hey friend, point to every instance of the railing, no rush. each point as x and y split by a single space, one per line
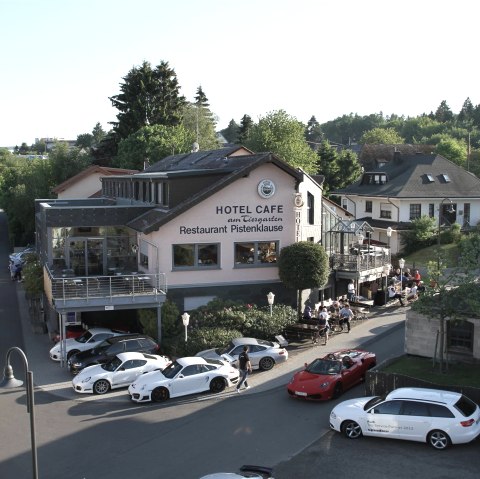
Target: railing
355 262
91 287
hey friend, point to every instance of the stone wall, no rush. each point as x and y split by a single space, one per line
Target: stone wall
421 335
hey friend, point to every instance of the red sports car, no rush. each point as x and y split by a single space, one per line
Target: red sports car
327 377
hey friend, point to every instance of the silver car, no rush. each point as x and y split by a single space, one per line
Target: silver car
263 354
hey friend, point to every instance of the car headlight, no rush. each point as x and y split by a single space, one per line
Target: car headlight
333 415
86 380
324 385
77 365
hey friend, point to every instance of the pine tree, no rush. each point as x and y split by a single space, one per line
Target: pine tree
246 124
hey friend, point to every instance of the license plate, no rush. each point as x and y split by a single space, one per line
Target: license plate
298 393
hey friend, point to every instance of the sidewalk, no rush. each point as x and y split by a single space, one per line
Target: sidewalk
50 376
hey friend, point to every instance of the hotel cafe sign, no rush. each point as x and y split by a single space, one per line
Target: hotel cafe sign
242 219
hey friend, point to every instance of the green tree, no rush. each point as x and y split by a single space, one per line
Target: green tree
422 233
246 124
283 135
453 150
148 97
200 121
67 162
232 131
84 141
443 113
98 133
151 144
313 133
303 265
381 136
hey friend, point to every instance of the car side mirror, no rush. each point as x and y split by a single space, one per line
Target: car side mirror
181 376
306 365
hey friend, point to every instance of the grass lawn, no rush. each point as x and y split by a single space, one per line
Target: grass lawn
420 258
459 374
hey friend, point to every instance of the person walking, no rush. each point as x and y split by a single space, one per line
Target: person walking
351 291
245 367
346 315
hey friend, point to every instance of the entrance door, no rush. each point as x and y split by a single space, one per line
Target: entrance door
85 256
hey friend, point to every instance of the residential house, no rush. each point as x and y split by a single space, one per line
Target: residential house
396 192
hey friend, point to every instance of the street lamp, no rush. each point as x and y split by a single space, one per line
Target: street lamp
389 234
270 298
9 382
451 209
185 320
401 263
360 238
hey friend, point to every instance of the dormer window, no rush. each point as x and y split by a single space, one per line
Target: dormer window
445 178
430 178
374 179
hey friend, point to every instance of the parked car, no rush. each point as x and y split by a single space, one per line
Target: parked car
253 472
88 340
437 417
187 375
328 377
263 354
119 372
109 348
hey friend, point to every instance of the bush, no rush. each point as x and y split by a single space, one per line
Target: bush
451 235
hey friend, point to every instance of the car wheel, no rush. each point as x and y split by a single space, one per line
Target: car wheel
72 352
217 385
351 429
266 364
438 439
337 391
102 386
160 394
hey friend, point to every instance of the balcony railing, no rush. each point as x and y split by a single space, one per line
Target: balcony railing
355 262
120 290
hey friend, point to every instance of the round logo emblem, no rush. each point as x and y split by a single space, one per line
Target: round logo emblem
266 188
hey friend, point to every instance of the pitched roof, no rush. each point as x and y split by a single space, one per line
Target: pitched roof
372 155
417 176
227 169
104 170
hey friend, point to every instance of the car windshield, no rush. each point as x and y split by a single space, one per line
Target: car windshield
226 349
112 365
324 366
373 402
84 337
466 406
172 370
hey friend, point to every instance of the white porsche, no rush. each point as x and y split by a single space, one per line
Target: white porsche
184 376
119 372
88 340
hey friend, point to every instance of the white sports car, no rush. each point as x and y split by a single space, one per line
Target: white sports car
119 372
188 375
88 340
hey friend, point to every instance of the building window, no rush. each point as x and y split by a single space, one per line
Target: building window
311 208
466 214
431 210
460 336
196 256
415 211
368 206
164 193
256 253
385 210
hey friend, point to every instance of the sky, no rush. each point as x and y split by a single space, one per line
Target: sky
61 60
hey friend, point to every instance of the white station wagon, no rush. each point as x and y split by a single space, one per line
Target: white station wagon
437 417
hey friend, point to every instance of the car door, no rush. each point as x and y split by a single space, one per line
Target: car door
235 352
191 379
415 420
383 420
351 374
127 372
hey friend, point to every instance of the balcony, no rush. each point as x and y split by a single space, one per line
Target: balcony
361 265
104 293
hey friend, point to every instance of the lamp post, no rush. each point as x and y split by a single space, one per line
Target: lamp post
401 263
185 320
270 298
440 214
389 234
8 382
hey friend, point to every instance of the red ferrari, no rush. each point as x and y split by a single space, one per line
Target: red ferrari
327 377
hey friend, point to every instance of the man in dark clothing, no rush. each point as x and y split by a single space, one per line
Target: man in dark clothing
245 367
